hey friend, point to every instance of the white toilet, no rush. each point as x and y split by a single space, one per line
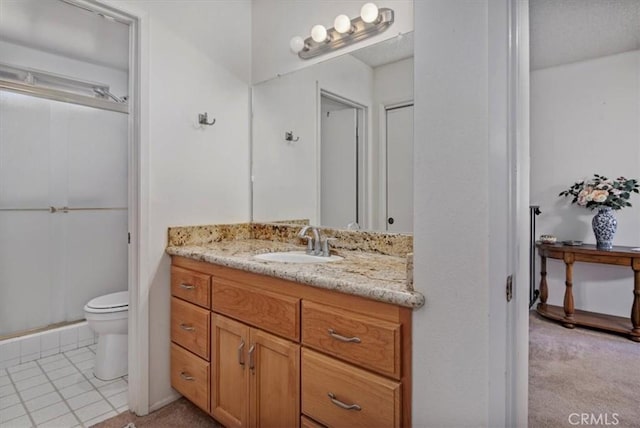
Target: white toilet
108 316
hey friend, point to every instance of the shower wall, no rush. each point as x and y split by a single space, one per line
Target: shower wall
58 154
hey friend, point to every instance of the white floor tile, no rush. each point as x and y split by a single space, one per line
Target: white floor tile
47 413
122 409
85 365
31 382
100 418
82 356
21 367
93 410
83 400
62 372
76 389
113 388
9 400
50 359
120 399
64 421
4 380
12 412
26 374
30 357
42 401
21 422
70 354
9 363
66 381
93 347
70 347
56 365
7 390
95 381
36 391
85 342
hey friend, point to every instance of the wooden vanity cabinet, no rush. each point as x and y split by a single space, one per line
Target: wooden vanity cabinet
283 354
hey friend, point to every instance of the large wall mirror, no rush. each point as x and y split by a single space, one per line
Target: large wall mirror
333 142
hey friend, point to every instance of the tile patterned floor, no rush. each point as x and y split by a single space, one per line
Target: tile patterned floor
59 391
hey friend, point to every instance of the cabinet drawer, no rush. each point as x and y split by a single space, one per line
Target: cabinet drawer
305 422
272 312
194 287
190 327
337 394
190 376
369 342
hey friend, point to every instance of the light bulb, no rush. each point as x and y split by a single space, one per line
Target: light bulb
369 12
342 24
319 33
296 44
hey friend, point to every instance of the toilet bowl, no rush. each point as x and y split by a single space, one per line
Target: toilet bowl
108 316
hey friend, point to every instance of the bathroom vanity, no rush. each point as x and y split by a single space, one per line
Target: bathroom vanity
258 343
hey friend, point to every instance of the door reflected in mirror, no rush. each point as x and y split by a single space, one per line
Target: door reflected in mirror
350 164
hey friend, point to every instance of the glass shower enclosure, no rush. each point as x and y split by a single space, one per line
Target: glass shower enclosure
63 202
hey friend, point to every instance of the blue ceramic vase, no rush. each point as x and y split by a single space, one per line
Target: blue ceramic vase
604 228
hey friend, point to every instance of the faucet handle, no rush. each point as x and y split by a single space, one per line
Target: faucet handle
326 249
309 243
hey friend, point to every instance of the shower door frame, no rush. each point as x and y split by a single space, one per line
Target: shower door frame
138 195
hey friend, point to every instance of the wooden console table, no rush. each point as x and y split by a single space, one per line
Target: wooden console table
568 315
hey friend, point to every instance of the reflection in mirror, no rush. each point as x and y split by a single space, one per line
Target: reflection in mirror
351 165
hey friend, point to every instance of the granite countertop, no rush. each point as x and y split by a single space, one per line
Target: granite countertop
368 274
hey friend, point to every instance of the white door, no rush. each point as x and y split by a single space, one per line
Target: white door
400 169
339 168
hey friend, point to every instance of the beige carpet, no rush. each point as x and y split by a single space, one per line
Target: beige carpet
180 413
581 371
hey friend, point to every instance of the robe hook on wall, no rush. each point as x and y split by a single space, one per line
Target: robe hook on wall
203 119
288 136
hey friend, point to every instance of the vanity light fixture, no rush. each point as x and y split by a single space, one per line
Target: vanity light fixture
372 21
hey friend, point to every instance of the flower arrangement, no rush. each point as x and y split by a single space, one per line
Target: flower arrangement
601 191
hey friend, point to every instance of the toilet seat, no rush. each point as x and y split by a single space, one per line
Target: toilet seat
109 303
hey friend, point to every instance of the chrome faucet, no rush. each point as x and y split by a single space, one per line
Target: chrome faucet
314 245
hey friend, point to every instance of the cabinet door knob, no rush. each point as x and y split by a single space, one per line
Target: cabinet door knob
187 377
342 338
241 353
187 327
342 405
251 361
187 286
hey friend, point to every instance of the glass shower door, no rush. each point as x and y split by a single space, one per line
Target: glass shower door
54 154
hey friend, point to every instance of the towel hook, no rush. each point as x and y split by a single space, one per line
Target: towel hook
288 136
203 119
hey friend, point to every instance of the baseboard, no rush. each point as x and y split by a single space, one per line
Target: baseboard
168 400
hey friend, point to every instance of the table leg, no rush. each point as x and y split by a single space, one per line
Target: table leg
569 309
635 308
544 289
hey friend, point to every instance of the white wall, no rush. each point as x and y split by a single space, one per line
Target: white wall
585 119
275 22
451 228
392 84
196 175
286 174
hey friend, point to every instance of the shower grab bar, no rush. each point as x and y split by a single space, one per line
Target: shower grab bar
53 210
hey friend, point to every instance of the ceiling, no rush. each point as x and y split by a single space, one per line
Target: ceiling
57 27
567 31
386 52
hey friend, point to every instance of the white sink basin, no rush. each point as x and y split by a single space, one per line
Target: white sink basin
296 257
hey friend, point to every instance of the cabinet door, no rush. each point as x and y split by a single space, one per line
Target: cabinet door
274 364
230 372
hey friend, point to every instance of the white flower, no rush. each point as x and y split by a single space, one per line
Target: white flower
599 196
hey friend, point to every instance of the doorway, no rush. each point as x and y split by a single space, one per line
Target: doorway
341 162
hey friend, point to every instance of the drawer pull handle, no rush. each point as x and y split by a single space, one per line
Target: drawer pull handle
342 405
185 376
342 338
187 327
251 362
241 353
187 286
